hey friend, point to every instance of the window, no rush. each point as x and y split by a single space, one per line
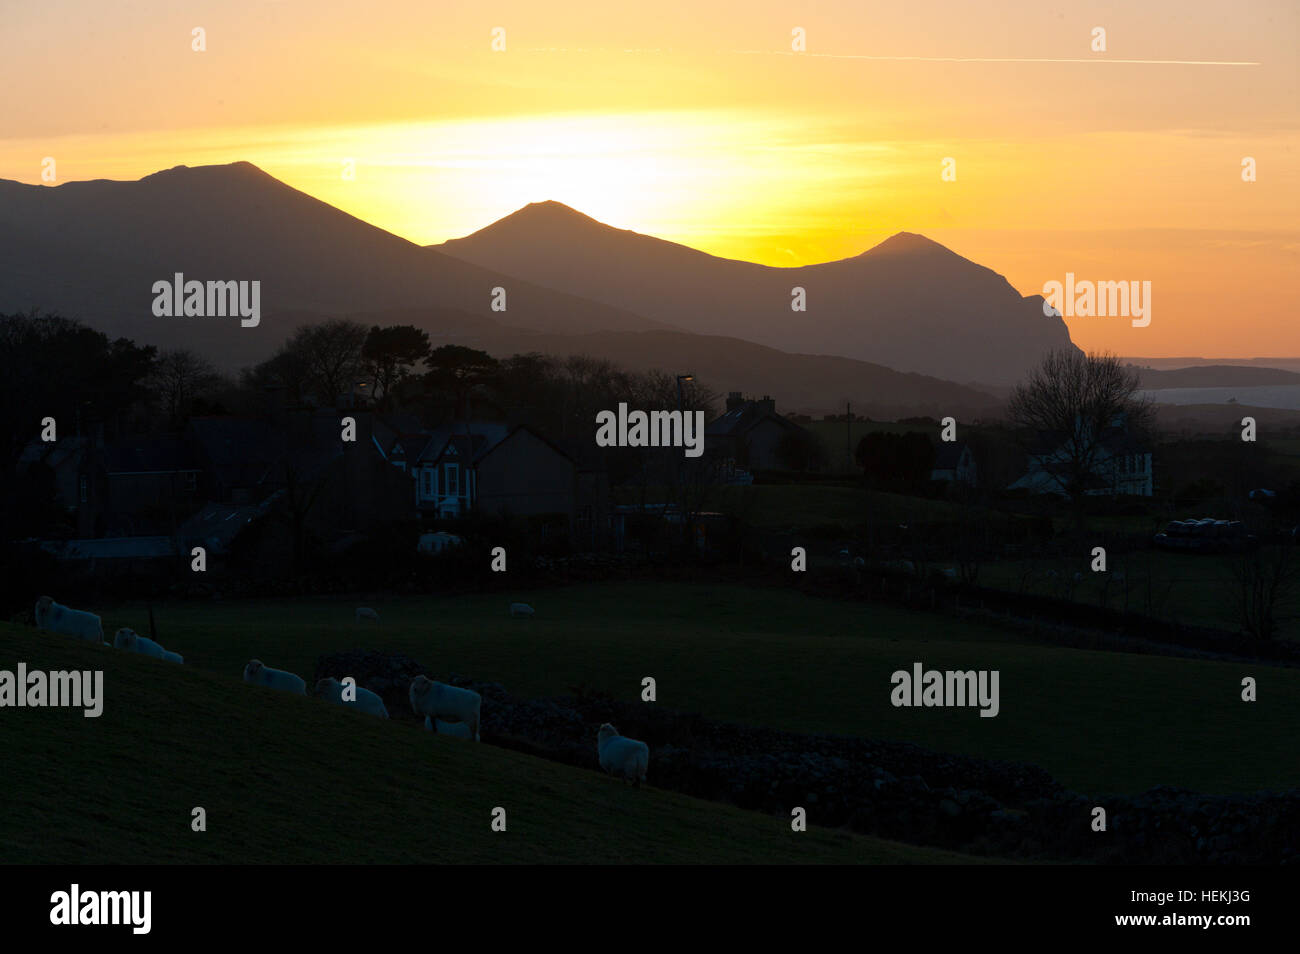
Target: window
453 480
426 489
191 482
85 486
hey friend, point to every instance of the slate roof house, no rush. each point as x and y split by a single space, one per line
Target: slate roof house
954 462
749 434
496 469
1121 465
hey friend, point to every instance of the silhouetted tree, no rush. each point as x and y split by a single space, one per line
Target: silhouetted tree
179 377
389 354
1070 401
459 371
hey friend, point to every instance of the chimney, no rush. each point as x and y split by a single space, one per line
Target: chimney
768 404
734 400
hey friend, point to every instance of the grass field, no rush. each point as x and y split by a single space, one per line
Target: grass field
294 780
1099 721
1193 589
799 506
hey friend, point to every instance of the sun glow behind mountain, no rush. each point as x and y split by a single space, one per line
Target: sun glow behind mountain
697 125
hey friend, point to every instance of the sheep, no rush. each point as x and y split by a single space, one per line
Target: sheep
521 609
261 675
449 702
458 729
57 618
173 657
622 756
365 612
365 700
132 642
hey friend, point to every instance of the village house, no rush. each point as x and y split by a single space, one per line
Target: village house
491 468
954 463
1121 465
750 436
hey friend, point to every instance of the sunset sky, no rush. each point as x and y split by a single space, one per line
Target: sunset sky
697 123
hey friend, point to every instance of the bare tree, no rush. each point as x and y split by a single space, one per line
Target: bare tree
1261 586
178 377
327 355
1071 401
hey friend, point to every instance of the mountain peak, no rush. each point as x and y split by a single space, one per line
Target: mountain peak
242 169
550 213
906 243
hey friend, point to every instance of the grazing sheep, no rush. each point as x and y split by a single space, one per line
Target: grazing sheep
459 730
521 609
130 641
447 702
365 612
260 675
366 700
56 618
622 756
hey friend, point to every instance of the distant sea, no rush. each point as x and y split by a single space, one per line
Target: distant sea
1269 395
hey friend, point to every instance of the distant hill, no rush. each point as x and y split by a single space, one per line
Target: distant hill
813 384
1174 364
92 251
1216 376
909 303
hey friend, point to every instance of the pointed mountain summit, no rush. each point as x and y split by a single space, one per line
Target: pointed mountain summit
908 303
906 243
93 250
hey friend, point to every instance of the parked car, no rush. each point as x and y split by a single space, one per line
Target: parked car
1206 535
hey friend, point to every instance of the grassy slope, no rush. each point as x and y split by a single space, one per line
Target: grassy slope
1100 722
1195 589
288 779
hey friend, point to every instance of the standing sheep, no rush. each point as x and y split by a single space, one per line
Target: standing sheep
56 618
365 612
132 642
260 675
622 756
367 701
439 700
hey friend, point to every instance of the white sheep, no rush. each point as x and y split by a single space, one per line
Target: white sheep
365 700
365 612
622 756
447 702
132 642
56 618
173 657
459 730
261 675
521 609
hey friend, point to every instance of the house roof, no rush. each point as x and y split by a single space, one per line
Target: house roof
155 454
948 455
740 420
217 524
52 453
472 439
111 548
553 445
239 450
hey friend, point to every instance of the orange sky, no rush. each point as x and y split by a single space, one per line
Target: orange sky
699 124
